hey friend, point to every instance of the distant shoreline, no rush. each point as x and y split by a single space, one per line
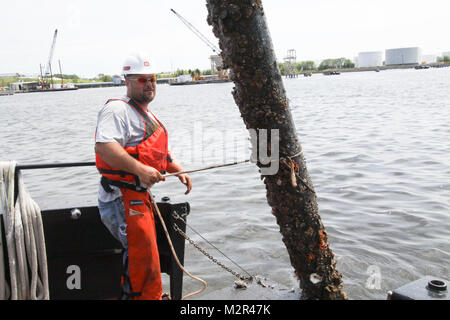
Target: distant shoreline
380 68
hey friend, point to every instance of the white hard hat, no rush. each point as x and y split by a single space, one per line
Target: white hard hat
137 64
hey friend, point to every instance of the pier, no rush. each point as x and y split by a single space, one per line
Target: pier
97 85
6 92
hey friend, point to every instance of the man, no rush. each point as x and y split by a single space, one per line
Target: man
131 153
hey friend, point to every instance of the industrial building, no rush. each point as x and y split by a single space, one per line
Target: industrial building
403 56
24 86
118 80
369 59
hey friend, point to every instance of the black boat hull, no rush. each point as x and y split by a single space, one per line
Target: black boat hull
85 261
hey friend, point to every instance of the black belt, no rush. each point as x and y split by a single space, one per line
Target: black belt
107 183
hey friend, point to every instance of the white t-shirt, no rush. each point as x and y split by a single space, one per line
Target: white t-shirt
118 122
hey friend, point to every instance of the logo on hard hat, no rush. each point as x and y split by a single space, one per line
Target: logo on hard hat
146 64
126 68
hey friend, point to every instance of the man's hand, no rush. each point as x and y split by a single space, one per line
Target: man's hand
187 181
149 175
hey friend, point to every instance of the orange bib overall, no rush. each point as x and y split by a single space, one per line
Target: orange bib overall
143 257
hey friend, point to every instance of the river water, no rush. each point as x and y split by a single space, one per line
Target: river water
377 147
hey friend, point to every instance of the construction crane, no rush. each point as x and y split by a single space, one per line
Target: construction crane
216 60
197 33
48 67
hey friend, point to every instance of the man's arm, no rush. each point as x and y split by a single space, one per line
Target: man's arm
117 157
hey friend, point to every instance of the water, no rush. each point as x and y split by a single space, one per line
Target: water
376 145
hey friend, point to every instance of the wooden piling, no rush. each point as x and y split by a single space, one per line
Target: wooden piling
247 50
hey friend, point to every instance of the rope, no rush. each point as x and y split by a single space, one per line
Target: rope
174 253
25 241
292 166
207 168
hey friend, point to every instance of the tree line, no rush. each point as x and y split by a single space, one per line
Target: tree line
339 63
192 72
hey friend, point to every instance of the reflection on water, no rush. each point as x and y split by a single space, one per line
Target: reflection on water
376 145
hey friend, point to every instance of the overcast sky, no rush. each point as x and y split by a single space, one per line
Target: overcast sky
94 36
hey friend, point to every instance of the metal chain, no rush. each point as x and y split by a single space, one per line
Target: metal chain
192 242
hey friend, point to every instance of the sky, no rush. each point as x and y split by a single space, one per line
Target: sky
95 36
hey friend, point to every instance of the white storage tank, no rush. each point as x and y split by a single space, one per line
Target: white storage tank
400 56
370 59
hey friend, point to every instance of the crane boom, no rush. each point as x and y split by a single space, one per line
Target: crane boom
197 33
48 67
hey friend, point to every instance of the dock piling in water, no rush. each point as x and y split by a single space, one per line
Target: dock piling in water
259 93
